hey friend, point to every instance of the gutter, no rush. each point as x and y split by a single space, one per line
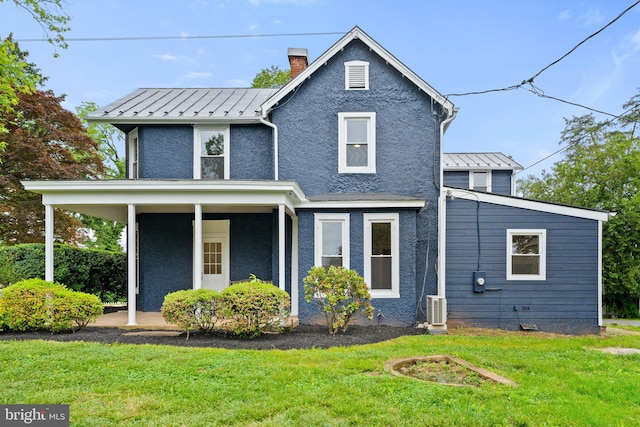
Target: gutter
264 121
442 211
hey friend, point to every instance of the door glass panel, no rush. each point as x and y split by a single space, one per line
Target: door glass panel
212 255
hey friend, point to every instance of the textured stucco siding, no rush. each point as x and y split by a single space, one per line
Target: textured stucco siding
566 302
165 152
166 252
251 151
389 311
407 158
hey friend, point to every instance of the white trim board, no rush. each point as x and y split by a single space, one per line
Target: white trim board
533 205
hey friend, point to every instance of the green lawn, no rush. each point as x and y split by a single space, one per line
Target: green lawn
563 382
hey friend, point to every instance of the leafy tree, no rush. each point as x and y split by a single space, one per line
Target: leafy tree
601 170
106 233
44 141
16 75
272 77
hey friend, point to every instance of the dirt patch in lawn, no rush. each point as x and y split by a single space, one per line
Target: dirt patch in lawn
444 369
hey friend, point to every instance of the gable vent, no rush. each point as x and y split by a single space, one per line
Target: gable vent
356 75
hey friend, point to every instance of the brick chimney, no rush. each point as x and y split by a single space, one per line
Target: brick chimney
298 59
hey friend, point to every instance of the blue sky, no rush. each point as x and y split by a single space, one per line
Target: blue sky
456 46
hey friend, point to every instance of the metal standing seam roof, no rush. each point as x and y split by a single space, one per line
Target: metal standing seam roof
151 104
467 161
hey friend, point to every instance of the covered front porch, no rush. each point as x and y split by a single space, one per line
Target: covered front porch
205 227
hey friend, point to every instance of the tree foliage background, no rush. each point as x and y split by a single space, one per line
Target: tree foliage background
601 170
272 77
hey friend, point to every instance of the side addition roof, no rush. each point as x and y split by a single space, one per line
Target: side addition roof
162 105
467 161
356 33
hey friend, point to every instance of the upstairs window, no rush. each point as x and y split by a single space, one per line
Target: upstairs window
357 142
211 145
133 154
331 240
480 180
526 254
356 75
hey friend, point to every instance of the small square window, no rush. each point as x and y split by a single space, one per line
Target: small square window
480 180
526 254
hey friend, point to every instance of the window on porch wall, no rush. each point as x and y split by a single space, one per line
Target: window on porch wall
212 143
332 240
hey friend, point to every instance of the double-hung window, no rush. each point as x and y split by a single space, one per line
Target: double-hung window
357 142
381 255
480 180
526 254
331 240
212 158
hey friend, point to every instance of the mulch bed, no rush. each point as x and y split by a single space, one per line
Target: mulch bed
303 337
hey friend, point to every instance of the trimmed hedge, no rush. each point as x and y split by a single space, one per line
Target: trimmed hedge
97 272
245 309
35 304
254 307
191 309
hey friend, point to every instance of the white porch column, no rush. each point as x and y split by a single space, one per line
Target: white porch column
48 243
294 265
282 233
197 248
132 267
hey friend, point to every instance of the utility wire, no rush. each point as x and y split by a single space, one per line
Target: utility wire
185 37
601 125
531 79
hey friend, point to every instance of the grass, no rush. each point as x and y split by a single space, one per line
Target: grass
562 381
626 327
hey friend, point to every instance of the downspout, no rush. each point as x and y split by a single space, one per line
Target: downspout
442 211
264 121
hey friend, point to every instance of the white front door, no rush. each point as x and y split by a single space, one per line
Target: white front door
215 255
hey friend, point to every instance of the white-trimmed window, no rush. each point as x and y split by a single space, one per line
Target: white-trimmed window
331 237
381 254
480 180
211 152
356 75
526 254
133 154
356 142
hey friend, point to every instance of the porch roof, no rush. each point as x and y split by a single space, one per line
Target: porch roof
109 199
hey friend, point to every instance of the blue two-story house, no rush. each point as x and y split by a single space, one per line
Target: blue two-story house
341 166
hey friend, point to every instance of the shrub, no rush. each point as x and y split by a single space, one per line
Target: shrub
35 304
101 273
340 293
254 307
190 309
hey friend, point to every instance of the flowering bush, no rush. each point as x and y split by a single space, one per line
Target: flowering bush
340 293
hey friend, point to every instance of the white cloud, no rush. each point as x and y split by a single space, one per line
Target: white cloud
283 2
564 15
238 83
197 75
166 57
590 18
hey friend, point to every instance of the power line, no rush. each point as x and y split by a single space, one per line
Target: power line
601 125
531 79
184 37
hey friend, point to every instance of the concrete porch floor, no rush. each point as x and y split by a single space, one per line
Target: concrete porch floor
149 320
152 320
